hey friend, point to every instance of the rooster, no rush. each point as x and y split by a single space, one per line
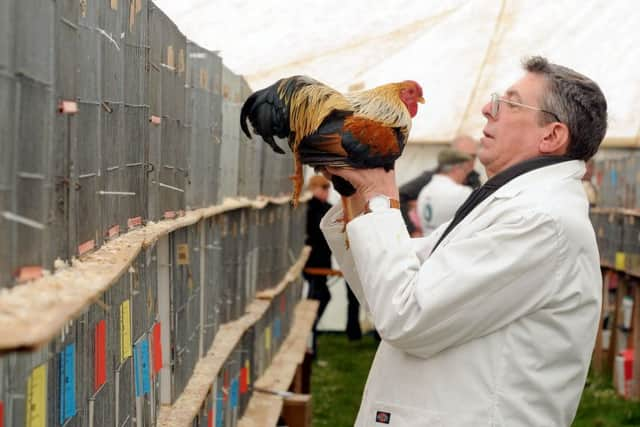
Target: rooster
366 129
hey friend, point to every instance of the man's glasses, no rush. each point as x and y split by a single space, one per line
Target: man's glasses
495 106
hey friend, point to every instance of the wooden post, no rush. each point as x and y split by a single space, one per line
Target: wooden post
297 410
164 316
301 383
635 341
597 358
615 320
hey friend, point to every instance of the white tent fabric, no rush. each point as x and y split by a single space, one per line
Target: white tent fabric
459 50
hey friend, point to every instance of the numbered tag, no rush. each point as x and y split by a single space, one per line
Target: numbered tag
183 254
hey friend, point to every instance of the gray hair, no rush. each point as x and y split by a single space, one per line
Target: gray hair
577 101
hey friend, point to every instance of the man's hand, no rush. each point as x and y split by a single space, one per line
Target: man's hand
369 182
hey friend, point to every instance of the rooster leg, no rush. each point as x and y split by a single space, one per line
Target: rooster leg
347 212
347 215
296 178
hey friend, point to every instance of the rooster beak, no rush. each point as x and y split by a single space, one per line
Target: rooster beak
421 100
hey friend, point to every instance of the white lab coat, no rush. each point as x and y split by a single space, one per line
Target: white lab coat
438 201
497 326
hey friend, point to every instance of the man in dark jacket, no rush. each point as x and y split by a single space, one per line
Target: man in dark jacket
410 190
320 256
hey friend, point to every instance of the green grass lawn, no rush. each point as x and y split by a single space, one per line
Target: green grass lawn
338 380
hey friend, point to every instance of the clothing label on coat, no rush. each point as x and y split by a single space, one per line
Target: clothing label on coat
383 417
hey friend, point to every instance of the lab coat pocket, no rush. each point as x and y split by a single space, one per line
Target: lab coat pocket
394 415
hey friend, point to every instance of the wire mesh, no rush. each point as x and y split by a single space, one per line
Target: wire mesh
34 47
213 280
111 179
185 305
197 119
76 176
213 147
7 35
241 258
7 174
19 369
230 257
156 19
65 130
136 52
250 156
136 134
34 133
85 185
230 150
136 111
173 162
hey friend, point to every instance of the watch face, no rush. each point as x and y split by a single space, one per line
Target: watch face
378 203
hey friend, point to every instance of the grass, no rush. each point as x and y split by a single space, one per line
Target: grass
337 387
338 380
601 407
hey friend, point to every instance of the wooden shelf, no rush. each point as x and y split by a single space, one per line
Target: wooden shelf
603 361
188 404
264 408
33 313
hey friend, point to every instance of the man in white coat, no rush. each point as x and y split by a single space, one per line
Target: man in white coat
438 200
491 320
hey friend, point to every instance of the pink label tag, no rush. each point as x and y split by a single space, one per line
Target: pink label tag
86 247
156 120
68 107
28 272
169 214
113 232
134 222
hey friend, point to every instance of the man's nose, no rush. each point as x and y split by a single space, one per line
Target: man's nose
486 111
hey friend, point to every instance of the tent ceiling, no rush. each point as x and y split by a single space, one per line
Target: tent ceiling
459 50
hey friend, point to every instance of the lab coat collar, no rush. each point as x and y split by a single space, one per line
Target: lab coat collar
573 169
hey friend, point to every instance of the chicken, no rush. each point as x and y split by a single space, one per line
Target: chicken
364 129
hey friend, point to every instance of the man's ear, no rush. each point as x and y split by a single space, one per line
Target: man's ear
556 140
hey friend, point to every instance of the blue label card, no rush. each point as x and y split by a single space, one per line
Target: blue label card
141 367
235 391
68 383
219 409
277 328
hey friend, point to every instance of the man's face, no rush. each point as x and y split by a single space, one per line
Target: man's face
321 193
514 134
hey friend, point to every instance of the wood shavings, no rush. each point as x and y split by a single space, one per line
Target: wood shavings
264 409
188 404
32 313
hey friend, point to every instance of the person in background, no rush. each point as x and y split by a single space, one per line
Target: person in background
320 256
354 332
587 181
410 190
439 200
491 319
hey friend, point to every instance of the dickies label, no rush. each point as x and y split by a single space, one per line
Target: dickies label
383 417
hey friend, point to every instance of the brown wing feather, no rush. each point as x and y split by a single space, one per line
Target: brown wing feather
382 140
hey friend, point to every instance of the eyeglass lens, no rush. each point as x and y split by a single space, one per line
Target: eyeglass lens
495 105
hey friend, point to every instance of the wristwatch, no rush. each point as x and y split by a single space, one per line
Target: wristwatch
381 203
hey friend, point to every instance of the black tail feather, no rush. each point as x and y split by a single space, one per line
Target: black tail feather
268 115
244 113
343 186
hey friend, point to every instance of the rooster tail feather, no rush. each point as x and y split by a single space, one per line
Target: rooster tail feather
268 115
272 143
244 113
